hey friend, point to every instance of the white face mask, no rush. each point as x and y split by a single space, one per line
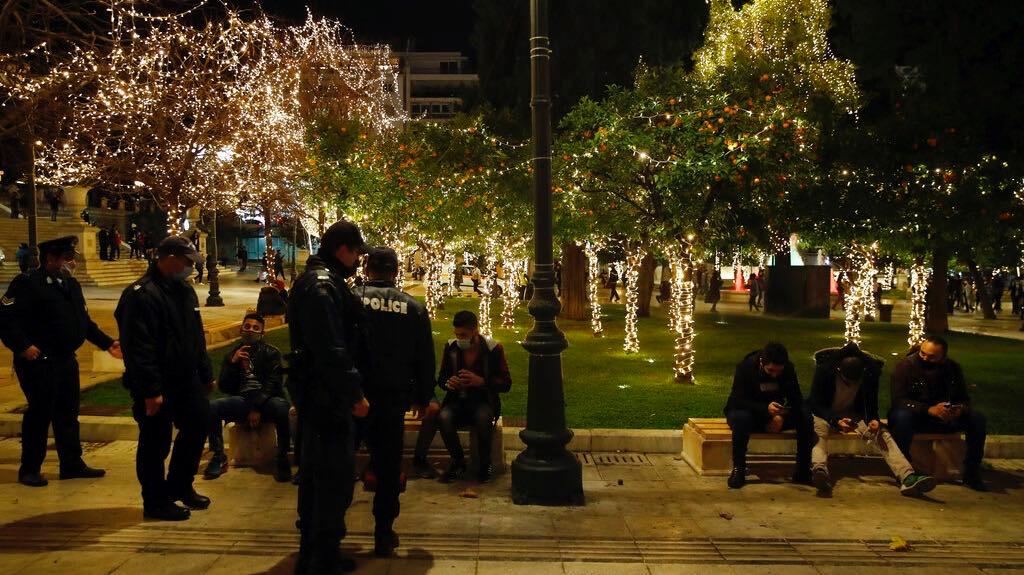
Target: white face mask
464 343
69 268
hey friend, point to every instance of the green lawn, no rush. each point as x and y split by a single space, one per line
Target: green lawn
605 387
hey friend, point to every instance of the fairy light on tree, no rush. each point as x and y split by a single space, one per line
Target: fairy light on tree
634 257
593 285
682 303
919 276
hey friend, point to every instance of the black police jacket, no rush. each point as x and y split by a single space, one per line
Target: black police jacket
162 337
327 344
916 386
752 390
823 388
265 361
49 312
400 343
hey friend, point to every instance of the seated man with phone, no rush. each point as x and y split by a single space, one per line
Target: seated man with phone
251 377
929 394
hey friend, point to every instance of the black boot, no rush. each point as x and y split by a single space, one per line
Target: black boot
193 500
34 479
82 472
385 543
283 470
973 480
738 478
218 466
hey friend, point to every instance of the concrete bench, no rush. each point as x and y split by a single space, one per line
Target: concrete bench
248 447
707 448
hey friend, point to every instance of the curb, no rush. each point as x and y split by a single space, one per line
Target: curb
98 428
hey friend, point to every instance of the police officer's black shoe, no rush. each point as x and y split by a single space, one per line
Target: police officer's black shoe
385 543
283 470
218 466
168 512
738 478
33 480
83 472
423 469
455 471
193 500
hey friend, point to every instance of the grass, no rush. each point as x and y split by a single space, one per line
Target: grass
605 387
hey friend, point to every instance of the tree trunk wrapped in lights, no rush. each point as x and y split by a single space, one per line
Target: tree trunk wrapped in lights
682 306
860 300
634 259
593 286
510 295
919 276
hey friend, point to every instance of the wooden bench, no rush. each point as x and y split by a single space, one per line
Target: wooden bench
248 447
707 448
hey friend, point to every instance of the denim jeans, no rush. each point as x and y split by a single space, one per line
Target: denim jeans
237 409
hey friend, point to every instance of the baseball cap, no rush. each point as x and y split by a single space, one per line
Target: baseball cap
382 260
342 233
178 246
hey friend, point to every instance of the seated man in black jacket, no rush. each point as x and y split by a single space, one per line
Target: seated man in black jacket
251 376
929 394
766 397
844 398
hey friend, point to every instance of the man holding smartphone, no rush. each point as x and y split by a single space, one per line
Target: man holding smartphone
929 394
251 377
766 397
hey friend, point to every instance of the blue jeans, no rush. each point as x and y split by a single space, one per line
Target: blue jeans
236 409
904 423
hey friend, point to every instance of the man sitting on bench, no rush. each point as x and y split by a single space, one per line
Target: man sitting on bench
251 376
473 372
929 394
844 398
766 397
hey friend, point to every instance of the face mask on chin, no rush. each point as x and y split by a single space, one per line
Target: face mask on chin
927 365
464 344
251 338
181 276
69 268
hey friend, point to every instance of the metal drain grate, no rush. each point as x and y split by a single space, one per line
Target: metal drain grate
619 459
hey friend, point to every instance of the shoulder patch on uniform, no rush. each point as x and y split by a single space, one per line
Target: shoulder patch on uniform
6 301
137 287
323 277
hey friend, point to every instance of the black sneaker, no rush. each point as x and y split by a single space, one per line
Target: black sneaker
33 480
423 469
802 476
455 471
193 500
738 477
169 512
486 473
283 470
385 543
975 482
218 466
822 482
83 472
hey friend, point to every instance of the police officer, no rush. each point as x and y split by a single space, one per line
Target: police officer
327 351
401 375
168 373
44 320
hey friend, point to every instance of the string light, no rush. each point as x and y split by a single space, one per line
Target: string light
682 305
919 276
590 248
634 257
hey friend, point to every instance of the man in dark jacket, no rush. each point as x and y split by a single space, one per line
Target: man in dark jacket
252 378
168 373
44 320
473 372
401 375
844 398
327 350
929 394
766 397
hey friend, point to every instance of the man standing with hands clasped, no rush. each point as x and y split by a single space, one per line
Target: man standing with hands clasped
44 320
168 373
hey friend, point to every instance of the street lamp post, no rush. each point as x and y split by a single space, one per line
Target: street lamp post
33 211
213 273
545 473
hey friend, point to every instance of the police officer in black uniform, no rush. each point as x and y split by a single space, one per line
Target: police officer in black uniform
168 373
400 376
44 320
327 353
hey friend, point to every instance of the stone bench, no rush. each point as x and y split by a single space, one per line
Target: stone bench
249 447
707 448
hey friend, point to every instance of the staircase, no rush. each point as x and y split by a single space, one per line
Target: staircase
91 271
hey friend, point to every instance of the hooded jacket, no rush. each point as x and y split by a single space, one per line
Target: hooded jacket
752 390
823 388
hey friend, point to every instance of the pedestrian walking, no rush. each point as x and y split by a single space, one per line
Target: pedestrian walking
754 292
613 282
168 373
714 294
103 239
43 321
14 197
115 243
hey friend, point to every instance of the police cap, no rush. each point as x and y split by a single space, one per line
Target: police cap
178 246
60 246
382 260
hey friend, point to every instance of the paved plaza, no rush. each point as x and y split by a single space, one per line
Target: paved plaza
652 515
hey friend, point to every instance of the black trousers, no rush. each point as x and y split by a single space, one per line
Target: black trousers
743 422
53 394
478 416
325 484
903 424
383 430
190 413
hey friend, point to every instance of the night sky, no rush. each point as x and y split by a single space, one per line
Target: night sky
420 24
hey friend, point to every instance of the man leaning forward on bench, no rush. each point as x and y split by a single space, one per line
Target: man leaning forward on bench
766 397
844 399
